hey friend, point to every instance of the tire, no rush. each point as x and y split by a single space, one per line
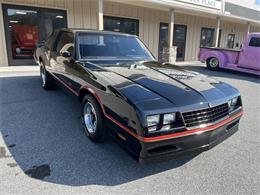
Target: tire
48 82
94 126
213 63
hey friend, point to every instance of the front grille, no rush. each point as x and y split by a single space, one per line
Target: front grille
205 116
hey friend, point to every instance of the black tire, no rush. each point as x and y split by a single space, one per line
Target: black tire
48 82
101 130
213 63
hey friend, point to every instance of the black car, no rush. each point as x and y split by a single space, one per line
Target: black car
155 111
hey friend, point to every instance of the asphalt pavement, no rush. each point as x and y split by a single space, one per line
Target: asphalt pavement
43 149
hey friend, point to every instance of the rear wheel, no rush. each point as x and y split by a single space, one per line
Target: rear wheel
93 120
213 63
47 81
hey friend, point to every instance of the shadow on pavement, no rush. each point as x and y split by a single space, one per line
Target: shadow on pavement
48 142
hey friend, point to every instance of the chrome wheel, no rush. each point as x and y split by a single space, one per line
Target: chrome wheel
213 62
90 118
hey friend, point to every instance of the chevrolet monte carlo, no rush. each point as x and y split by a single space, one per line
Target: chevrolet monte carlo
155 111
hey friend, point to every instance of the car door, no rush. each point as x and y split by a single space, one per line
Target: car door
250 54
48 49
62 56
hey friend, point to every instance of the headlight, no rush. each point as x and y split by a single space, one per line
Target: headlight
232 104
161 122
169 118
153 120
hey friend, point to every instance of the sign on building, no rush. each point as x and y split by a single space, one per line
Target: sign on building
215 4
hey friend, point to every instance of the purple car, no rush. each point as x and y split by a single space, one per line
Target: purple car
247 59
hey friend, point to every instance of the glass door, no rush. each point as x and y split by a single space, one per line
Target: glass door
179 40
25 27
163 40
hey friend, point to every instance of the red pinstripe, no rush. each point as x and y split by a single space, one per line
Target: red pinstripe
157 138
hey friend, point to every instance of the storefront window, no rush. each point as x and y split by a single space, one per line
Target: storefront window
24 31
25 27
231 41
124 25
207 37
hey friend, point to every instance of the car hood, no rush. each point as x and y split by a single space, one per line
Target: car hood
170 83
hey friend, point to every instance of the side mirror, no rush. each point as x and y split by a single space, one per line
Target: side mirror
66 54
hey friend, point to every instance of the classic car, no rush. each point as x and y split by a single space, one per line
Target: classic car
155 111
247 59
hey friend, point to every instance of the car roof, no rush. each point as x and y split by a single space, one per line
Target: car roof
257 34
75 30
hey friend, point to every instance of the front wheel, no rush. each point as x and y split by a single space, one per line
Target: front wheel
93 120
213 63
47 81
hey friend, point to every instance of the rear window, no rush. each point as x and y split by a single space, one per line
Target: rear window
254 42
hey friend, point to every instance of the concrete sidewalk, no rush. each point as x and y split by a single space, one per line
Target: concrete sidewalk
28 68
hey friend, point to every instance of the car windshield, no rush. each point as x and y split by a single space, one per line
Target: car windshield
109 46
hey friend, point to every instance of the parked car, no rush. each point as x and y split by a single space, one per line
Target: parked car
247 59
154 111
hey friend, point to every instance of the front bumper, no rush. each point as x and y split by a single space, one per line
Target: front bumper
198 142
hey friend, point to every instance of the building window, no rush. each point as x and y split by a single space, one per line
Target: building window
124 25
231 41
207 37
25 26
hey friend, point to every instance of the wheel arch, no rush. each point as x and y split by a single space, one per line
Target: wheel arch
222 58
89 91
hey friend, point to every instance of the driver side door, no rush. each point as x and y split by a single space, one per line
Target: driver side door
63 58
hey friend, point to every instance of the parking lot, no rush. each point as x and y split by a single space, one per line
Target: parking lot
43 148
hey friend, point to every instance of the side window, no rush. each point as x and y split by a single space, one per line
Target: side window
254 42
50 40
65 42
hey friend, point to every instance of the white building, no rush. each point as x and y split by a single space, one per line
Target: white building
186 24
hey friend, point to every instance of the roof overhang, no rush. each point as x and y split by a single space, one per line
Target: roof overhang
190 9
